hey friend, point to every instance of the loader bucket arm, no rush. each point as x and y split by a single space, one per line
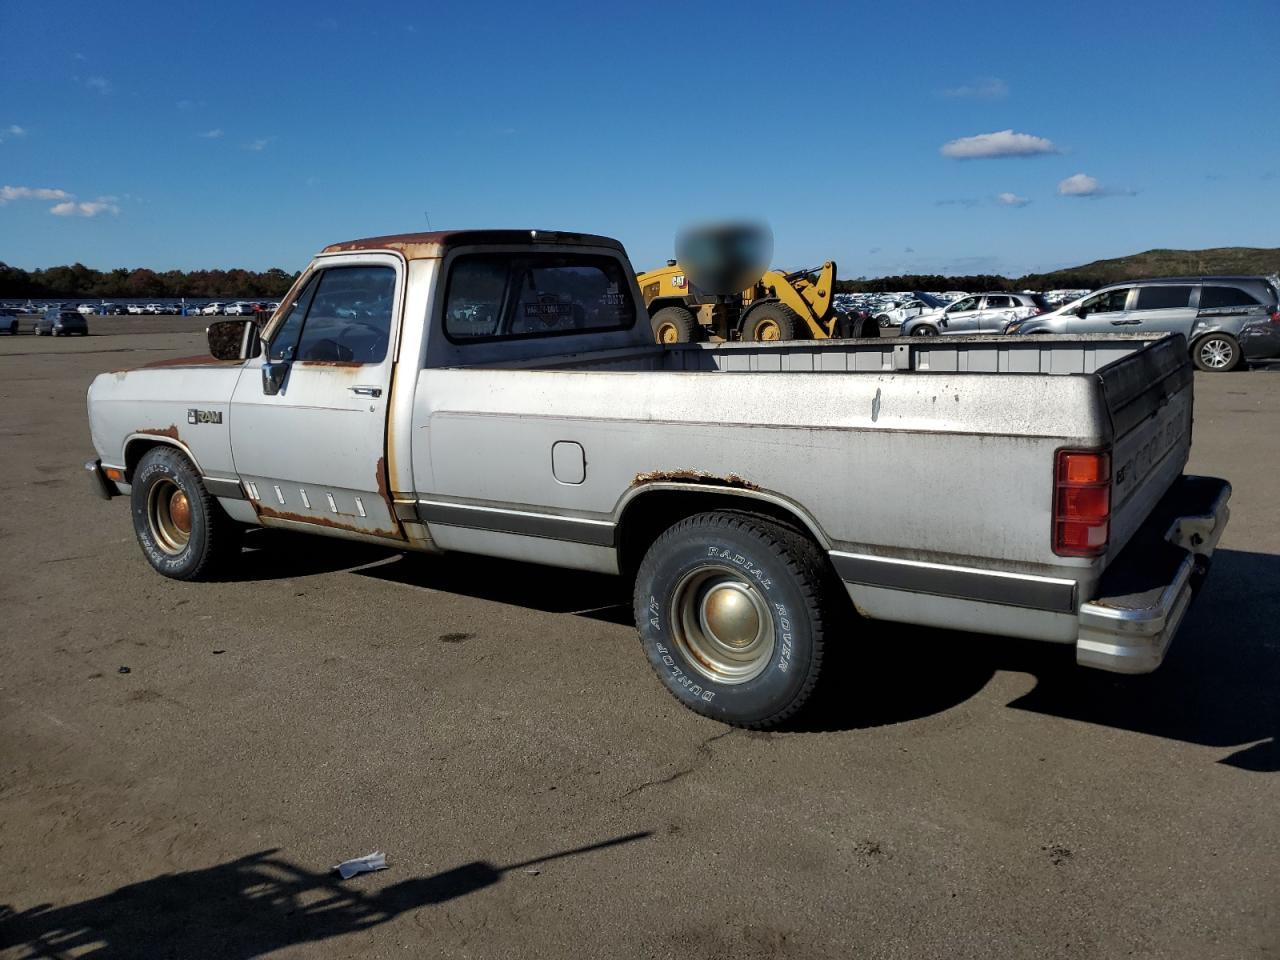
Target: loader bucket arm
811 301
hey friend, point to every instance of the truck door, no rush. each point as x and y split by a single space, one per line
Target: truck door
312 452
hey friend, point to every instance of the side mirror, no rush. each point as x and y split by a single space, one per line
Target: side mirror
273 374
233 339
1082 311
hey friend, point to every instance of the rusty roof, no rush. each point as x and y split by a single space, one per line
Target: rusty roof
423 246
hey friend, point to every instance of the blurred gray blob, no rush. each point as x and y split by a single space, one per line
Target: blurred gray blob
724 258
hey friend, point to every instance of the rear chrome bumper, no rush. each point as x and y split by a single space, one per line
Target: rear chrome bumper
1141 600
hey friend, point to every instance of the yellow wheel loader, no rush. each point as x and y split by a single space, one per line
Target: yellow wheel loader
778 306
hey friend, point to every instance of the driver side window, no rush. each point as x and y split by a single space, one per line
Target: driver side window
965 305
1109 301
343 315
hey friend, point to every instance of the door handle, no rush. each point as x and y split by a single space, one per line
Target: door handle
1124 323
366 391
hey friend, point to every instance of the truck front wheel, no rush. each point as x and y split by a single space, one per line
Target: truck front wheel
183 532
731 610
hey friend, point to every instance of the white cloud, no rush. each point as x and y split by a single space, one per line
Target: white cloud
1079 185
1011 199
101 84
986 88
1002 143
85 208
257 146
67 205
1083 185
13 130
214 134
8 193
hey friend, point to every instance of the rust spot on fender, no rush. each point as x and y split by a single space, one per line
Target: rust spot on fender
170 431
343 364
321 521
694 476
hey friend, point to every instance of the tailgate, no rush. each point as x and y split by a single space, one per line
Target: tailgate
1148 396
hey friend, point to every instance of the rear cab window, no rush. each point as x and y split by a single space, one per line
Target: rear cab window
508 296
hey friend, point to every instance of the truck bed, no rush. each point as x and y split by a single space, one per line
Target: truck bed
975 354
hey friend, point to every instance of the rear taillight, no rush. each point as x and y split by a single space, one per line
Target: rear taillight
1275 316
1081 503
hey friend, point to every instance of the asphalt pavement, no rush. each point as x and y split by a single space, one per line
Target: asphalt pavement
182 764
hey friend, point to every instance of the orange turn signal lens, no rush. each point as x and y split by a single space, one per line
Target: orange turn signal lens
1083 467
114 473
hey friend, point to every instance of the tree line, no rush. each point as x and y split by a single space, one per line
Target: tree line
981 283
80 282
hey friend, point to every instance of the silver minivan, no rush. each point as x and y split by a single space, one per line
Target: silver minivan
1225 320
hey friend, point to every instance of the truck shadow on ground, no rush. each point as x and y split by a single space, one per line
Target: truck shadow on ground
244 908
1217 687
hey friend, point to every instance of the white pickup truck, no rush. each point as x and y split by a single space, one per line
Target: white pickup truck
499 393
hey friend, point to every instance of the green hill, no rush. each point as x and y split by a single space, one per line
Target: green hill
1218 261
1162 263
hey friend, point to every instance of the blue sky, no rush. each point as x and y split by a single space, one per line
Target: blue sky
251 134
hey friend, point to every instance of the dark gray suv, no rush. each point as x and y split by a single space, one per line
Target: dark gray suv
1226 320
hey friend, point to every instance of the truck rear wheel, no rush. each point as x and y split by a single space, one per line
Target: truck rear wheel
183 532
769 322
674 325
731 610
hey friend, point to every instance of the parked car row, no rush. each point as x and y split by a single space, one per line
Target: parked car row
1226 321
56 321
236 308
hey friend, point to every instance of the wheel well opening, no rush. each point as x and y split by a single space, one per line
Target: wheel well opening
137 449
650 514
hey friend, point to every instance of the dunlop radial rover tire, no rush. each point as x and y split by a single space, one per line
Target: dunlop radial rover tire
732 611
167 495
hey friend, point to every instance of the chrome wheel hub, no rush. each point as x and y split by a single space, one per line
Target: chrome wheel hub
169 516
722 623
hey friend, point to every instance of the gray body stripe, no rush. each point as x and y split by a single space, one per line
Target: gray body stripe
1011 590
596 532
